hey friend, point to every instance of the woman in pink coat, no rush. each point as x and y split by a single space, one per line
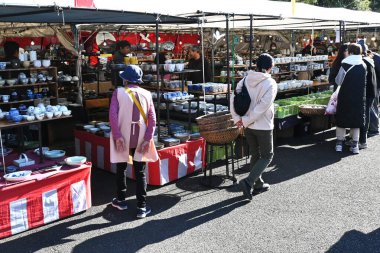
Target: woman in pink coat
131 139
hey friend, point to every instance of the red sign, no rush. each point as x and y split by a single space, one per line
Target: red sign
85 3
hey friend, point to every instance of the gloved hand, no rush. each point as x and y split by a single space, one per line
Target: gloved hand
144 147
120 144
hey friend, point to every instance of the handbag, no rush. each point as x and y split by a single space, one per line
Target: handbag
242 100
333 103
137 103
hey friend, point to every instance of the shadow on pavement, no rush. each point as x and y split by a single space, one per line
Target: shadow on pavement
356 241
64 230
155 231
292 161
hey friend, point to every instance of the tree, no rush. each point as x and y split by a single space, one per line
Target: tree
349 4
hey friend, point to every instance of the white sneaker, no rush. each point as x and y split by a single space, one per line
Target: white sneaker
338 147
355 149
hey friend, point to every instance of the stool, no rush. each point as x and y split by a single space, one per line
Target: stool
209 152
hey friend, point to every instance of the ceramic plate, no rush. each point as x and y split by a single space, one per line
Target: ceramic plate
75 160
168 45
54 154
17 176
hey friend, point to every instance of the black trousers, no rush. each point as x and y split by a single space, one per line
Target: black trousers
141 185
364 129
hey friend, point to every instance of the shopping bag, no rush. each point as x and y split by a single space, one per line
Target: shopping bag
333 103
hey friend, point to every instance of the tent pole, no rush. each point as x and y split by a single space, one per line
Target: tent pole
78 68
158 79
250 40
340 33
203 52
293 48
228 58
212 55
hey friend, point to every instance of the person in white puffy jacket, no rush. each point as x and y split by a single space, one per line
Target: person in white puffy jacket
258 122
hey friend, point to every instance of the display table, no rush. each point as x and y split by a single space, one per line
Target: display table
174 162
47 197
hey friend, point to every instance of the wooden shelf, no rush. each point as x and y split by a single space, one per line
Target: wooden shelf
26 85
23 101
4 124
25 69
154 88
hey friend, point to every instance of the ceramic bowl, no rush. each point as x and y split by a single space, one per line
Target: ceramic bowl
94 130
52 154
105 128
49 78
24 80
17 118
46 63
33 80
26 64
3 65
39 116
49 115
2 82
87 127
37 63
67 113
63 108
11 82
30 117
57 114
75 160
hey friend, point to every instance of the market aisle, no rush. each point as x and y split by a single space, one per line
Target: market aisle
319 200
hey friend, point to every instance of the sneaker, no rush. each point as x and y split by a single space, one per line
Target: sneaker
143 212
363 145
355 149
339 146
119 204
371 134
246 189
263 188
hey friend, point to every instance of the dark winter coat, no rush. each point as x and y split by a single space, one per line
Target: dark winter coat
371 91
332 76
376 59
352 94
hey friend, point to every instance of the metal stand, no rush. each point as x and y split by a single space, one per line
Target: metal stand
209 152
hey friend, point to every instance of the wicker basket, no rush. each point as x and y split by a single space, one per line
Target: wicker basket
214 118
221 136
311 110
216 126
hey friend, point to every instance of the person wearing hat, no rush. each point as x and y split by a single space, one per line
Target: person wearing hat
132 119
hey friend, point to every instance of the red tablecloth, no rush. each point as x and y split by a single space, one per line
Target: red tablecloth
49 197
174 162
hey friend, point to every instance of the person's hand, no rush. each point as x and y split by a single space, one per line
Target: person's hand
144 147
239 123
120 144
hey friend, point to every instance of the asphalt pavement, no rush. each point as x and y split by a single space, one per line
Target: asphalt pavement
319 201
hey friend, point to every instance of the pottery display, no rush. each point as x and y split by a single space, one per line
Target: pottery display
46 63
37 63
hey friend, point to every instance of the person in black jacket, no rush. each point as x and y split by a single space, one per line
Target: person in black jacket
195 62
371 93
342 53
374 112
350 111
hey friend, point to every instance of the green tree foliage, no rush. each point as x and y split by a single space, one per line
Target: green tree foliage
349 4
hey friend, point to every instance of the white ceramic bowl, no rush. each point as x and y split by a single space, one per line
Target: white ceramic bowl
39 116
49 115
46 63
75 160
94 130
26 64
87 127
37 63
11 82
30 118
67 113
62 108
57 114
